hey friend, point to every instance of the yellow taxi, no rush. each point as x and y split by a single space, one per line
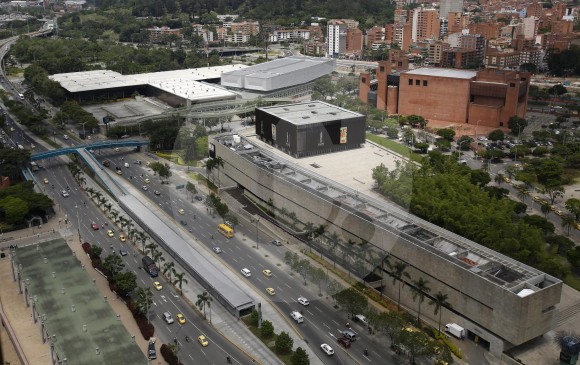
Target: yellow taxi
180 318
45 180
122 238
203 341
271 291
157 285
267 273
110 233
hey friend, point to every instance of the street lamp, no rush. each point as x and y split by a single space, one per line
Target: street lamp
460 149
78 224
257 241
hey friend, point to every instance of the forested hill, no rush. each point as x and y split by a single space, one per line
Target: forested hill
261 9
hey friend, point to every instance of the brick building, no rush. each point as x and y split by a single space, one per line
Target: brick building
486 97
156 33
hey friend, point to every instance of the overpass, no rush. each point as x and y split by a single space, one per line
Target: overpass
94 146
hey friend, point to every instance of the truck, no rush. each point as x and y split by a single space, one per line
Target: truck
455 329
149 266
151 349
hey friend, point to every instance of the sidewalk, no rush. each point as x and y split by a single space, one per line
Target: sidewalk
28 333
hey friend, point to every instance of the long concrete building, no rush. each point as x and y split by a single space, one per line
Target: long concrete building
500 301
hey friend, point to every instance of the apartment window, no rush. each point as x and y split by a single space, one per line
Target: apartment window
410 81
364 80
424 82
382 69
418 82
512 84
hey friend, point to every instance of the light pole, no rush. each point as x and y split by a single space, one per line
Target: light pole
78 224
257 238
461 144
516 148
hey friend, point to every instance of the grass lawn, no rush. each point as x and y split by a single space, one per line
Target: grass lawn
394 146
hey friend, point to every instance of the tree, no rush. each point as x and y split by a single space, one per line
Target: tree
300 357
317 275
574 257
417 343
517 124
303 268
204 300
333 288
168 269
557 90
324 87
96 252
113 264
440 300
418 289
353 301
125 283
291 259
179 280
144 300
568 223
573 206
283 343
399 274
496 135
447 133
190 189
480 178
267 329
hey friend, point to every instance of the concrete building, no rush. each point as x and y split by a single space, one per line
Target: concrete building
450 6
156 34
312 128
461 58
280 35
278 74
531 27
336 38
485 97
495 58
500 301
425 24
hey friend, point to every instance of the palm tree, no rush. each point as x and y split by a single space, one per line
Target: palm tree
523 194
399 274
82 180
157 256
168 269
102 200
108 207
419 289
209 166
151 249
499 179
179 280
114 214
204 300
334 242
98 195
143 238
567 223
545 208
219 162
440 301
91 192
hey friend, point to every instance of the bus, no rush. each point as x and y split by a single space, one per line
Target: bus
34 166
225 230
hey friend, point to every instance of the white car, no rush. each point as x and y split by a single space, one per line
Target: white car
362 319
247 273
327 349
303 301
65 193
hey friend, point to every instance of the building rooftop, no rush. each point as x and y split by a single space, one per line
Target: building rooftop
327 178
183 83
442 72
309 113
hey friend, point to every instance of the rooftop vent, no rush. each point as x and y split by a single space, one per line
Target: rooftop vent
306 117
287 109
311 105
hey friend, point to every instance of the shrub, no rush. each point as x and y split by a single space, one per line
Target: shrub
168 355
86 247
283 343
443 338
267 329
147 329
254 317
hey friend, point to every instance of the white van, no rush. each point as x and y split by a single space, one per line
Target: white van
21 96
299 318
126 164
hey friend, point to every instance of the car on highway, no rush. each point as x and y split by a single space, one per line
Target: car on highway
303 301
180 318
199 198
536 198
157 192
247 273
122 237
217 250
45 180
147 181
64 193
181 211
559 213
122 252
119 172
157 285
344 342
110 233
267 273
167 318
277 243
145 188
271 291
117 149
94 226
506 179
327 349
203 341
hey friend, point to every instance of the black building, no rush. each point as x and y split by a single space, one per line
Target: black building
311 128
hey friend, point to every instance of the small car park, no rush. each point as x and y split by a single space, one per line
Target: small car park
271 291
267 273
203 341
303 301
157 285
327 349
247 273
180 318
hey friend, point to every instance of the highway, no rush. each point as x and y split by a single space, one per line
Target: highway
81 212
322 324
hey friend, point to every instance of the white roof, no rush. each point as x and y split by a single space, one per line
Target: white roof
525 293
183 83
443 72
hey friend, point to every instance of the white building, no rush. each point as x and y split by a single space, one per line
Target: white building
336 38
289 34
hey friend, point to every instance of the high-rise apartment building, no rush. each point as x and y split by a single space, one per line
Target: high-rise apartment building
531 27
337 36
425 24
450 5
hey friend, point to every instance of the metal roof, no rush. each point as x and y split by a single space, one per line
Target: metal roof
188 253
442 72
183 83
309 113
280 66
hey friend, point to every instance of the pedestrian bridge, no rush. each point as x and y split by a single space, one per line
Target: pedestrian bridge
93 146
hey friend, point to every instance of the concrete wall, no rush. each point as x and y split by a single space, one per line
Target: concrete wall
496 314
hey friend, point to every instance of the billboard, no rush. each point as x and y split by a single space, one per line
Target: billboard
274 132
343 135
